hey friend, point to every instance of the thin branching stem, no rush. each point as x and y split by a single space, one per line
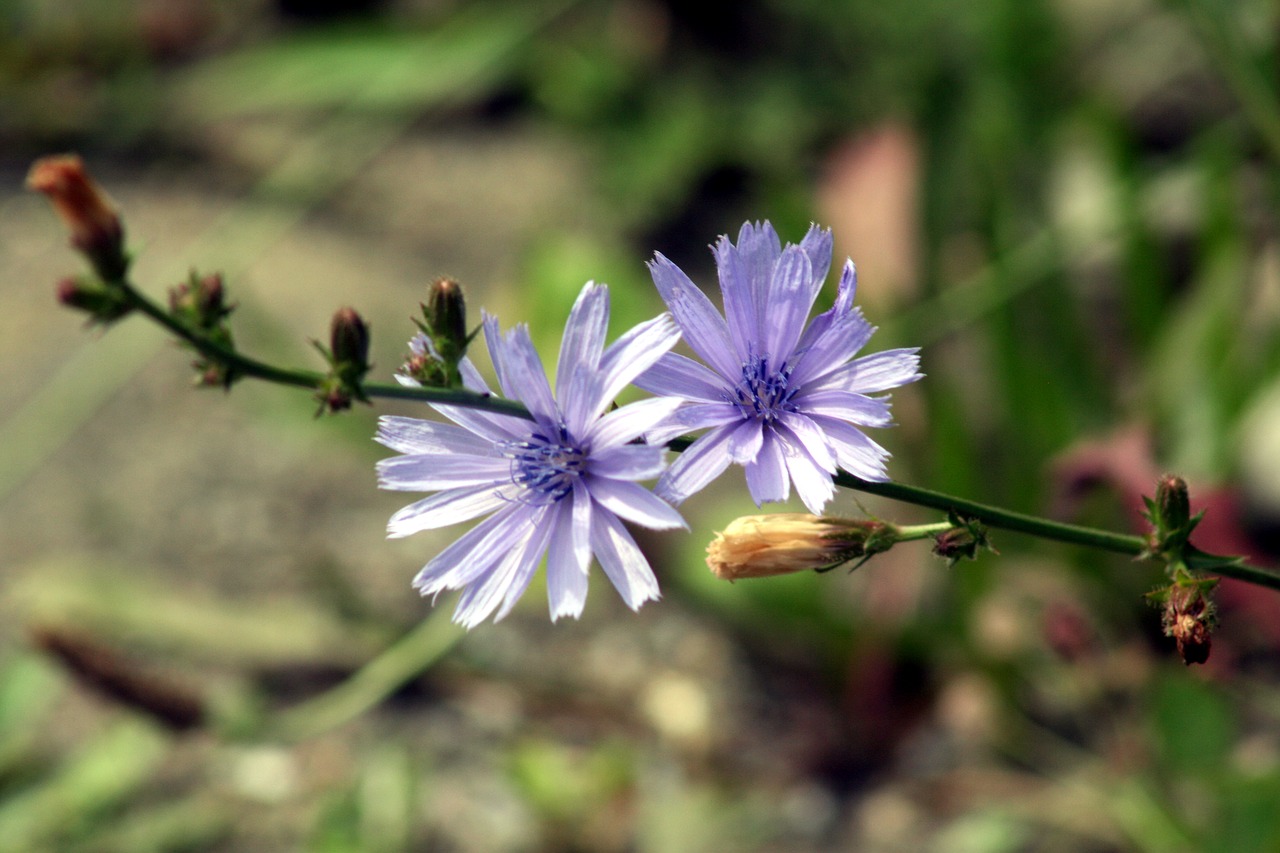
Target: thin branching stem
990 516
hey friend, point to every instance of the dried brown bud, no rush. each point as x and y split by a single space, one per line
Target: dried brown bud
1189 618
757 546
85 209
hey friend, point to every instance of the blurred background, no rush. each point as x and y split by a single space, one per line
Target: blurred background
1069 204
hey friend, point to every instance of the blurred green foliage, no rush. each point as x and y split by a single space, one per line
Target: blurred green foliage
1093 247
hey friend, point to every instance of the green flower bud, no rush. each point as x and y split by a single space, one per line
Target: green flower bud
1173 504
446 315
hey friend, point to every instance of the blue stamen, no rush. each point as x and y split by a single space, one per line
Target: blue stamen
546 467
763 394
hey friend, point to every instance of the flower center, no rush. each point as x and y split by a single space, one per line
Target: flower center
546 466
763 393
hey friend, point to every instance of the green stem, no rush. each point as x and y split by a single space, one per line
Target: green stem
997 517
1043 528
310 379
989 515
913 532
408 658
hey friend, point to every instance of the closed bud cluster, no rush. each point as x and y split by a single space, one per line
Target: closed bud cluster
84 208
757 546
348 357
443 343
200 302
424 365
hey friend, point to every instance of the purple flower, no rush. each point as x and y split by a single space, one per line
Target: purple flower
782 400
558 485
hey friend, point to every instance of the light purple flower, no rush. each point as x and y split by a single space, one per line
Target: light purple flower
782 400
558 485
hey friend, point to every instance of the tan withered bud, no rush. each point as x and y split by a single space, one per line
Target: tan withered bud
88 213
756 546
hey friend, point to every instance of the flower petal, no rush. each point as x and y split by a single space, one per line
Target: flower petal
695 417
487 425
471 378
635 419
634 503
758 248
855 452
790 298
622 561
628 357
568 559
413 435
584 335
813 485
847 406
745 441
524 369
799 430
767 475
506 581
527 563
448 507
843 305
883 370
428 473
703 328
677 376
497 352
629 462
817 244
827 352
472 554
738 292
701 462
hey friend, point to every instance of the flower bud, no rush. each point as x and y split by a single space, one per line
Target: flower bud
1171 520
91 217
103 304
348 357
1172 502
349 339
446 316
757 546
